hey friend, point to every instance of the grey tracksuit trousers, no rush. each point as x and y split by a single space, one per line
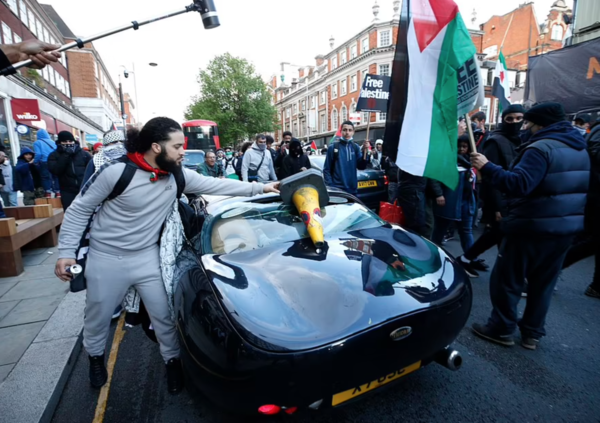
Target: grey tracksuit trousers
109 276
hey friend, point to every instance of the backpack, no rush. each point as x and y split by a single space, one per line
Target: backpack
79 283
336 153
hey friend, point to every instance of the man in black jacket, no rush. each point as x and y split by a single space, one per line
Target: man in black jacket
546 190
68 163
295 161
500 149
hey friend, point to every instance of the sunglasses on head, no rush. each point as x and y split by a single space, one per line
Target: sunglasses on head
510 119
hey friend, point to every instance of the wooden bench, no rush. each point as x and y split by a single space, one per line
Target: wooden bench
26 228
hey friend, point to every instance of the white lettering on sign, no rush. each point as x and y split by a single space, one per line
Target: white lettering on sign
374 83
28 116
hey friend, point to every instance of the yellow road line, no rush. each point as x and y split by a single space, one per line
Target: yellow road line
112 359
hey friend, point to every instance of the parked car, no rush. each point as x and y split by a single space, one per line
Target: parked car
268 324
193 158
372 183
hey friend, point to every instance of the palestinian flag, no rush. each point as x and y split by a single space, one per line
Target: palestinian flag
337 135
501 87
443 82
313 146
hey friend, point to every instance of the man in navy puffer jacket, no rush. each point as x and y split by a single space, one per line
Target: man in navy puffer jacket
546 188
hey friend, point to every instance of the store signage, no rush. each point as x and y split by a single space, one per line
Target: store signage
22 129
375 94
93 138
25 109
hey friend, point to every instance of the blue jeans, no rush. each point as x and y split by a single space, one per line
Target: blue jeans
10 199
2 215
49 181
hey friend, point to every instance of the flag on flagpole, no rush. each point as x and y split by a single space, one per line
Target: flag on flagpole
313 146
501 87
337 135
443 82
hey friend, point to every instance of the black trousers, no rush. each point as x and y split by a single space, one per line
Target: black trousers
66 198
584 247
491 236
540 260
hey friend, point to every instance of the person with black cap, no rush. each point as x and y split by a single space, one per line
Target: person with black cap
501 149
68 162
546 190
582 123
296 161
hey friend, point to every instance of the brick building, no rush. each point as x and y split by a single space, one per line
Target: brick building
94 92
47 91
335 80
129 111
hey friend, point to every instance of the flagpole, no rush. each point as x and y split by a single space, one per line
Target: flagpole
471 136
367 138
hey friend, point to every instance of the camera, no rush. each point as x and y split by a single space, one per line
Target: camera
126 73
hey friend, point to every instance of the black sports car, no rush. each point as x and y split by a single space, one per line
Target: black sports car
267 324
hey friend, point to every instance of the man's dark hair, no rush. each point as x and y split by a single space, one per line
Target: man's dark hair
347 122
261 137
286 133
246 146
479 116
157 130
270 139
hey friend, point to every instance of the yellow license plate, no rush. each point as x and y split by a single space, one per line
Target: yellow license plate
384 380
367 184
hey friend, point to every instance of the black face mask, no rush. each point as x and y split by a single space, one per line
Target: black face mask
512 129
525 136
164 163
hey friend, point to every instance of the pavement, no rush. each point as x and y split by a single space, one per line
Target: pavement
40 326
559 382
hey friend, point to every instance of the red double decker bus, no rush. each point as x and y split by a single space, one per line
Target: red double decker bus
201 135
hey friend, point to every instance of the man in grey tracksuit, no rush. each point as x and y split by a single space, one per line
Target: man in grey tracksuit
124 249
258 158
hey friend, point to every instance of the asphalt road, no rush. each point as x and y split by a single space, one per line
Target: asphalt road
560 382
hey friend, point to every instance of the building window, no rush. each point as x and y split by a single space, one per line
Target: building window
38 27
364 45
344 84
323 96
334 90
46 37
31 17
344 114
385 38
295 106
64 59
353 52
313 102
384 70
343 57
365 117
17 39
353 83
7 34
23 14
557 32
382 117
288 112
295 127
323 122
334 63
68 89
303 105
52 79
334 120
13 6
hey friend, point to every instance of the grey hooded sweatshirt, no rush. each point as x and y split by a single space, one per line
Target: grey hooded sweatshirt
252 158
133 220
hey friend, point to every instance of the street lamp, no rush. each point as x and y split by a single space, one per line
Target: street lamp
307 104
126 75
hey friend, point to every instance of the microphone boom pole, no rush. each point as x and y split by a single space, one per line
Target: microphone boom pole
205 7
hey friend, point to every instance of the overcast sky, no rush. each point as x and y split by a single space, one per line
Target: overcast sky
266 32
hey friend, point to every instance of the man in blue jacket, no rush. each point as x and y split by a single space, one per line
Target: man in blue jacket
546 188
43 147
344 157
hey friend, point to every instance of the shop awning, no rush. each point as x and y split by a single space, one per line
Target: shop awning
25 110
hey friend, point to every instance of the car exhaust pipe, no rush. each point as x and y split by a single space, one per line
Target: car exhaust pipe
449 358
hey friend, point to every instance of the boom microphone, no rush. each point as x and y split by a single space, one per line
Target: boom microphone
206 8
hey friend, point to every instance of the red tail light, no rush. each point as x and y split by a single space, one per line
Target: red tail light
291 410
185 144
386 180
270 409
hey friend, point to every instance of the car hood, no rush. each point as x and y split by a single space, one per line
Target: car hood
287 297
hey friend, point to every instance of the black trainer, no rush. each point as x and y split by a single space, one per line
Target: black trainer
174 376
529 342
480 265
98 373
468 268
591 292
487 333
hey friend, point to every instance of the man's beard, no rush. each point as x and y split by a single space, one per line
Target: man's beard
164 163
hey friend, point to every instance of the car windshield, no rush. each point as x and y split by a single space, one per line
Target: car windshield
250 226
193 158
